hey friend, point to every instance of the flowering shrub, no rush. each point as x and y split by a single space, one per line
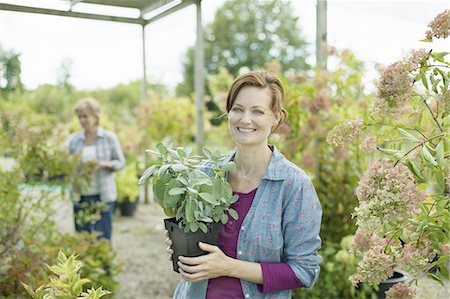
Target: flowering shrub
403 214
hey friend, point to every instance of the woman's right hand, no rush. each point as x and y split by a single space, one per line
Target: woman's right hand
169 243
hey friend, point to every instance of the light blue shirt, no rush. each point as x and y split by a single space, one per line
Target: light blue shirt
107 148
282 226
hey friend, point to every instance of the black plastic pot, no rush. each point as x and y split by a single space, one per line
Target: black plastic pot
397 277
128 208
186 244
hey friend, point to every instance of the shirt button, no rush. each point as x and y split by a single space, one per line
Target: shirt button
247 296
243 228
240 253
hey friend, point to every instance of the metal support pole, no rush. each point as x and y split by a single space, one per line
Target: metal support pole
199 80
144 73
321 34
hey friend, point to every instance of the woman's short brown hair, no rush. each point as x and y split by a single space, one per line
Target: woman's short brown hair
260 79
90 105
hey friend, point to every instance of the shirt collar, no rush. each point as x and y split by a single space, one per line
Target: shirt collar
100 133
274 171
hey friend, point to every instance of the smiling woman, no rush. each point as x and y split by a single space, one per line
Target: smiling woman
272 247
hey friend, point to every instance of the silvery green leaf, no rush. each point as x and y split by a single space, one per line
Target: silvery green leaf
147 173
233 214
177 191
440 154
207 153
208 198
192 190
193 226
206 219
427 155
408 135
183 180
190 208
224 218
179 167
203 227
163 169
230 166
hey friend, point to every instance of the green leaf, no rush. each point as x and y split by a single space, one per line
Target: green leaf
440 180
224 218
424 79
177 191
193 226
203 227
179 167
435 84
408 135
163 169
427 155
190 208
434 277
415 170
233 214
147 173
207 153
170 200
230 166
440 154
208 198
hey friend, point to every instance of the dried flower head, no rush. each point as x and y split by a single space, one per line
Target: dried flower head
401 291
345 133
440 26
375 267
395 84
386 193
416 257
368 144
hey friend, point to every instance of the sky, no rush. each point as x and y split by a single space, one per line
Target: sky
104 54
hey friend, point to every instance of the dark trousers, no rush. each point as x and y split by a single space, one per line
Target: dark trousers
103 226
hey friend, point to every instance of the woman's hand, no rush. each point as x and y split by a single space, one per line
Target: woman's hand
103 165
168 242
212 265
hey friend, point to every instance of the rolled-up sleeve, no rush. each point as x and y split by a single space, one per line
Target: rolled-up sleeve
117 157
302 216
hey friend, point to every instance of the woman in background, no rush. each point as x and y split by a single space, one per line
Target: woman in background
101 149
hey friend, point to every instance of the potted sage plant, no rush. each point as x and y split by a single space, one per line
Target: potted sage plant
194 193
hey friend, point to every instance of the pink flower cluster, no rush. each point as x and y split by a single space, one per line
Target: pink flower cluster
396 81
375 267
386 193
440 26
363 241
345 133
401 291
395 84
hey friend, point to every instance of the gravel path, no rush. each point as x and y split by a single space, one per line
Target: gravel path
139 244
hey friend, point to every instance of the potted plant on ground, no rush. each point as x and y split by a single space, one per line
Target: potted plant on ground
127 190
195 194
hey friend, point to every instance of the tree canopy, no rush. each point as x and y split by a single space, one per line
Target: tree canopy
248 33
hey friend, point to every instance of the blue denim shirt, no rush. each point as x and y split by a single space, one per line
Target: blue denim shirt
107 148
282 226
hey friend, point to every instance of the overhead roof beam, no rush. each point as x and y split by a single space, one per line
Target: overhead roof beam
74 2
56 12
154 5
173 9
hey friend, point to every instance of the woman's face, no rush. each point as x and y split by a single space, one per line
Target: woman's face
251 119
87 120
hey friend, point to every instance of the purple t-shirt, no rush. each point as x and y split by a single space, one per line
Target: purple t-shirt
276 276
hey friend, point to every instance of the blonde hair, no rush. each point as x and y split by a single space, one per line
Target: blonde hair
90 105
260 79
